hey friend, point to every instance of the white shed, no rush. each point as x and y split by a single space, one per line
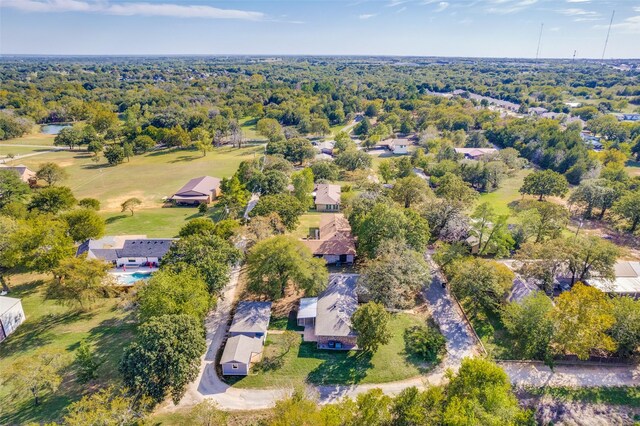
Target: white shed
11 316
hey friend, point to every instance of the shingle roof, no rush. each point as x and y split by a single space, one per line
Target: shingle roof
326 193
23 171
251 317
335 236
203 185
240 349
152 247
336 305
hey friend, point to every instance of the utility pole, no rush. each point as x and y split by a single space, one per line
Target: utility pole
606 41
574 55
539 40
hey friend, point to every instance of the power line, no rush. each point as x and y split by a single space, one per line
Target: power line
539 40
606 41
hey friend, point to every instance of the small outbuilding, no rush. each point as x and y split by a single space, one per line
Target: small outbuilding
11 316
199 190
251 319
239 353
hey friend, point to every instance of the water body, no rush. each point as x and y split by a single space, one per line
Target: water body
53 129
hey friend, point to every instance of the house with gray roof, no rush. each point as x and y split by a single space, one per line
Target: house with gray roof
326 197
198 190
105 248
327 318
144 251
247 334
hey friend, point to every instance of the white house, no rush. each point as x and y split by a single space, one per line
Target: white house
126 250
11 316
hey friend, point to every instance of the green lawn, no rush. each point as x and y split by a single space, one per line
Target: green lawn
305 363
19 150
52 327
248 125
149 177
633 168
506 193
306 221
32 139
629 396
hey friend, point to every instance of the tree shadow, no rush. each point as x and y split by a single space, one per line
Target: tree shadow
344 368
114 219
109 339
24 412
185 158
98 166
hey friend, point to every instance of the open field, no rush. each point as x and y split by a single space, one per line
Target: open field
52 327
304 362
149 177
19 150
248 125
633 168
32 139
155 222
506 193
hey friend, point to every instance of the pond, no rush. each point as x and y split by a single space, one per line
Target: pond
53 129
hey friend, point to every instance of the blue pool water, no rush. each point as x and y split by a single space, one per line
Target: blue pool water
129 279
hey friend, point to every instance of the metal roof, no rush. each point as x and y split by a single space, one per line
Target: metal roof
308 307
251 317
240 349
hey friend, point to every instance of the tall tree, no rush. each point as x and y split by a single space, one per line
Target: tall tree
582 318
234 195
79 281
303 185
589 255
371 322
53 200
51 173
164 357
279 261
289 208
481 284
12 188
411 190
530 326
545 183
130 204
628 207
84 224
34 375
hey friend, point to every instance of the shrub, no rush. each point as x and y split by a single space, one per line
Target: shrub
425 342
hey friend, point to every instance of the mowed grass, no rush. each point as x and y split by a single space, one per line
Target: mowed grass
50 326
31 139
249 131
633 168
149 177
306 221
506 193
155 223
20 150
305 363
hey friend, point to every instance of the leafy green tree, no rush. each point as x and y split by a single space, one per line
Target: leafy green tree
234 195
52 199
425 342
353 160
89 203
325 170
142 144
270 129
628 207
84 224
543 262
411 190
530 326
12 188
372 408
491 231
174 293
210 254
415 408
164 357
207 413
34 375
69 136
114 154
542 220
130 204
582 317
288 207
87 362
595 193
395 276
78 281
589 255
388 170
545 183
197 226
481 284
626 330
371 323
299 409
106 407
480 393
51 173
303 185
279 261
452 188
271 182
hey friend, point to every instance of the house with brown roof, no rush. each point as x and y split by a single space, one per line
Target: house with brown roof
26 175
327 318
475 153
333 240
326 197
199 190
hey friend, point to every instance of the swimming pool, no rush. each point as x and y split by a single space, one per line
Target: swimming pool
130 279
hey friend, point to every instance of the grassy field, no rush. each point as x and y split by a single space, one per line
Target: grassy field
633 168
248 125
53 327
506 193
307 220
32 139
149 177
305 363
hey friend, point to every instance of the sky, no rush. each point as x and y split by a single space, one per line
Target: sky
478 28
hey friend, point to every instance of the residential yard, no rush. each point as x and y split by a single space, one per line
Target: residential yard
305 363
248 126
492 334
506 193
307 220
51 327
149 177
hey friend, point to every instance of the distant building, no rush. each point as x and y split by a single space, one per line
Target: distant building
626 281
199 190
475 153
327 318
11 316
333 240
591 140
573 104
24 173
247 333
629 117
326 197
325 147
537 110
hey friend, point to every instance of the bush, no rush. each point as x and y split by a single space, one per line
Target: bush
203 207
424 342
